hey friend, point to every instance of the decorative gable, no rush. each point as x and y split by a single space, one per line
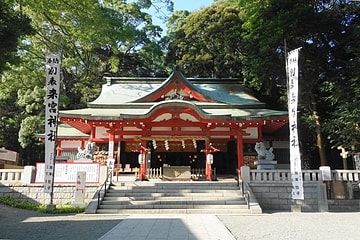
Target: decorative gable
176 87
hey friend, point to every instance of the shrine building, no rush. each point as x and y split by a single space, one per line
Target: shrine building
176 121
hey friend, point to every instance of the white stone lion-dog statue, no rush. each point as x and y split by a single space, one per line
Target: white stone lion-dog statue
263 153
86 153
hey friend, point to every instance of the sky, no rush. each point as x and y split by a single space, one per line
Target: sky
190 5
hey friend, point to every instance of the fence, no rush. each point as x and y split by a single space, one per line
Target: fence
279 175
346 175
308 175
283 175
11 175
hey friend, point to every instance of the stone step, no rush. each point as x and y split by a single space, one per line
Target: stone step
172 194
172 202
160 182
174 187
240 211
169 190
174 206
172 198
174 183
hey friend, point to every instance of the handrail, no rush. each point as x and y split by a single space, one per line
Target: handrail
104 185
247 195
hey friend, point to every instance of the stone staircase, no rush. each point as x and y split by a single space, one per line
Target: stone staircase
174 198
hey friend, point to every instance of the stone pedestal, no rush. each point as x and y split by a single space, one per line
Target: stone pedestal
265 164
28 175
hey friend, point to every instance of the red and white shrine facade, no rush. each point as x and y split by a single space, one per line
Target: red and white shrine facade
177 122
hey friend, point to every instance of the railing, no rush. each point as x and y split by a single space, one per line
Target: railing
279 175
101 192
196 173
11 175
346 175
241 184
154 173
283 175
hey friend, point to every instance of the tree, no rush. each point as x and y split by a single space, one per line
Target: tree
342 124
208 43
317 27
104 44
13 27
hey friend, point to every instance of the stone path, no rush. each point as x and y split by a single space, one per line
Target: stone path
18 224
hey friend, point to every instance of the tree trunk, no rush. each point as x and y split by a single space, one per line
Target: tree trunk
319 140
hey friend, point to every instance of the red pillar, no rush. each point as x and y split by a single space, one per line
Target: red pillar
208 169
58 149
240 151
260 133
93 132
111 145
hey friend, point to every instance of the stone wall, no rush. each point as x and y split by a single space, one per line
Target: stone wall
64 194
277 196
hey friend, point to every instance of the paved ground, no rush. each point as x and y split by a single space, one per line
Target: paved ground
23 224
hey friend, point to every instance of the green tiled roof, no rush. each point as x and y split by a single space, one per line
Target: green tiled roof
122 97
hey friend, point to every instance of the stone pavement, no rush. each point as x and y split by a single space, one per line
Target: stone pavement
18 224
174 227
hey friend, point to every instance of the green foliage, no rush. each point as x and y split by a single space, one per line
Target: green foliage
32 99
38 207
9 121
18 203
232 38
327 31
94 38
29 126
342 123
208 43
13 27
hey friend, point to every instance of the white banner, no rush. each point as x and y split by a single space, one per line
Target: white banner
295 160
51 116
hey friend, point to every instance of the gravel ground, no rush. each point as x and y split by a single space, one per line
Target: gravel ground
18 224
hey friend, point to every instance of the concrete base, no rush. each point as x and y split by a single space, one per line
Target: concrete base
265 165
50 207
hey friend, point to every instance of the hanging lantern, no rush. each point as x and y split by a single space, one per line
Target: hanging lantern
166 143
140 158
183 144
194 143
210 158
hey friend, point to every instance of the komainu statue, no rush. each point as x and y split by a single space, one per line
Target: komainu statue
263 153
86 153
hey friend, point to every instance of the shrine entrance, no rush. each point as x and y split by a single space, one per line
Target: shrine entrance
198 123
225 161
